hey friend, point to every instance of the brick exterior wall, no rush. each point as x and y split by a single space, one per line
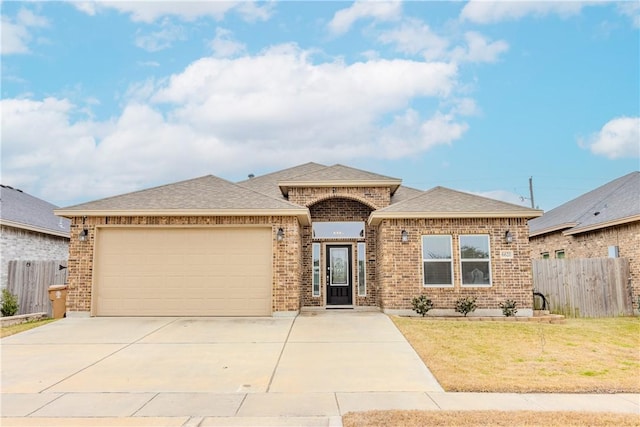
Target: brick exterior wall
26 245
376 197
595 244
339 209
399 271
286 254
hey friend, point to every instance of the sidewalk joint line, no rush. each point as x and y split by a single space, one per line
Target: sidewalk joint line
133 414
235 414
433 400
46 404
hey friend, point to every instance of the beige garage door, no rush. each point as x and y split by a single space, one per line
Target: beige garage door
183 272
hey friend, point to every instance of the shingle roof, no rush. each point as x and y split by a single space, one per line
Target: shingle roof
206 195
440 202
268 184
616 202
21 210
338 175
404 193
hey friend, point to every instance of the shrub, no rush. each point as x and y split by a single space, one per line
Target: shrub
9 303
466 305
509 308
422 305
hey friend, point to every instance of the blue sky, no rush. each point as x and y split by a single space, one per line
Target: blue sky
102 98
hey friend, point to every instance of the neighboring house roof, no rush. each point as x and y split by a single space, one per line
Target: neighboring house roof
21 210
616 202
440 202
268 184
208 195
339 176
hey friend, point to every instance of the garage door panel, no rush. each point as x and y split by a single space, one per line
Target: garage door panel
183 272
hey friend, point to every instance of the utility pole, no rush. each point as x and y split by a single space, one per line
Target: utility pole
531 192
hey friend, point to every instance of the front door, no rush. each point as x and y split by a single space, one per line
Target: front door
339 289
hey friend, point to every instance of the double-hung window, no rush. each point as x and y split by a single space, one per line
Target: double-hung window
475 260
437 261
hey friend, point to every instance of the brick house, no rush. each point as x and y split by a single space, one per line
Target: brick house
307 237
30 230
601 223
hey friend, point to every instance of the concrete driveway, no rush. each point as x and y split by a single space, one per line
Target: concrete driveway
317 364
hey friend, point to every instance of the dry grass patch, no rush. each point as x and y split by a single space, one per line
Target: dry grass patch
487 418
581 355
5 331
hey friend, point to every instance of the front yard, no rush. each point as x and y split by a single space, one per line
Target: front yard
581 355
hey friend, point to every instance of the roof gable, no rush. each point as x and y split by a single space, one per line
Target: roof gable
207 195
268 184
21 210
616 202
339 176
441 202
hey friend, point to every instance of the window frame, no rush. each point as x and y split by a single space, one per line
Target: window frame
545 255
316 285
362 275
438 260
476 260
560 251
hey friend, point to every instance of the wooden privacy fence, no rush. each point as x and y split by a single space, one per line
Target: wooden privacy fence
30 281
590 287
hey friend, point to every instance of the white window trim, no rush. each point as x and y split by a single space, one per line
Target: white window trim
364 264
476 285
313 268
445 285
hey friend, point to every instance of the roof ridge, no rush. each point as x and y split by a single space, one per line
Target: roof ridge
280 171
623 180
148 189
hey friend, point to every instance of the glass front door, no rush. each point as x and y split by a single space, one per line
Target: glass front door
339 283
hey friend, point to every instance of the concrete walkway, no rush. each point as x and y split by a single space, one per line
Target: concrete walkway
234 372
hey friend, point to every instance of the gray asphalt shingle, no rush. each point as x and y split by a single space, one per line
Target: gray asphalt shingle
614 201
205 193
441 200
21 208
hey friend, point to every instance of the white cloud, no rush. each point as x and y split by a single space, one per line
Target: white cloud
376 10
221 115
150 11
161 39
223 45
15 38
620 137
17 33
479 49
487 12
410 134
415 37
632 10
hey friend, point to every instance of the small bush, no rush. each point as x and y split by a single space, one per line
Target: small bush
422 305
9 303
466 305
509 308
